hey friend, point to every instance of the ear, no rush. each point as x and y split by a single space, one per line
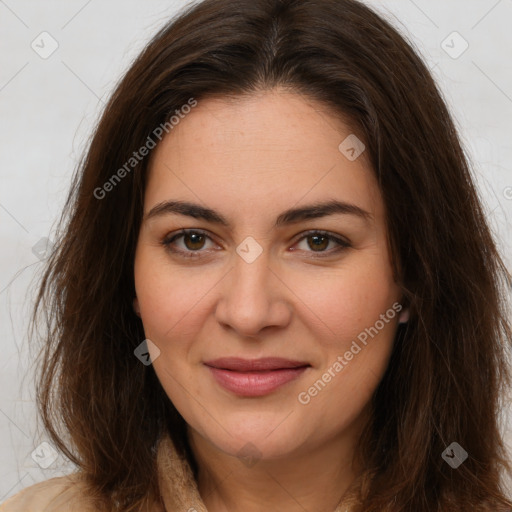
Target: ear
136 306
404 316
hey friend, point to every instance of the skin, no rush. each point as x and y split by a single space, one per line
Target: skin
249 159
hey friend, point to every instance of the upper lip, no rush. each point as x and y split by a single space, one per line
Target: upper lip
247 365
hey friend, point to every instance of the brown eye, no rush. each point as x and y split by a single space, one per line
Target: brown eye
319 242
189 244
193 241
322 243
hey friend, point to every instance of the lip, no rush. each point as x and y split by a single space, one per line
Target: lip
255 377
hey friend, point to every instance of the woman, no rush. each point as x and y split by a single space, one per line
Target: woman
276 288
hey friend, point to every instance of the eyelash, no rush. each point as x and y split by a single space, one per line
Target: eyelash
342 244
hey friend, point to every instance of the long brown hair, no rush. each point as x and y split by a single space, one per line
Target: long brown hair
106 411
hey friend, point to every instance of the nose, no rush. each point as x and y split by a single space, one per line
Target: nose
253 297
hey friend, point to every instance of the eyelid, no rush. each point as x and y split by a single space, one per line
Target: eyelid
337 239
331 236
168 239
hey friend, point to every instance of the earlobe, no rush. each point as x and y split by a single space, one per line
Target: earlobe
136 307
404 316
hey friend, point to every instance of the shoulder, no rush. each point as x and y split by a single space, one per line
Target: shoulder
62 494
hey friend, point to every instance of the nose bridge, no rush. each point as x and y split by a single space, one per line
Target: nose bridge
251 277
252 298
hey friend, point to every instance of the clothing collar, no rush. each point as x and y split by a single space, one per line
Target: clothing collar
178 486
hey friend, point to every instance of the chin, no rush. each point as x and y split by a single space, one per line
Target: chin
258 439
252 448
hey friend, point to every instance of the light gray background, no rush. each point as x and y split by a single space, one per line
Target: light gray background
49 106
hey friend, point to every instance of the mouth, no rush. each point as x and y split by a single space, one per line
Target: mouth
255 377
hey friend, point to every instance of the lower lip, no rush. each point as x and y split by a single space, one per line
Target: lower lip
255 383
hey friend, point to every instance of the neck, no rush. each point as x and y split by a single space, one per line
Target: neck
313 478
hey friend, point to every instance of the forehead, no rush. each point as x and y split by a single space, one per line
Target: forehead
268 151
265 123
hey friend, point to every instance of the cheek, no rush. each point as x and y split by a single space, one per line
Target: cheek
171 310
171 300
340 305
356 326
354 366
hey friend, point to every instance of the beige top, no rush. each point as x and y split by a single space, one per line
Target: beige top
178 489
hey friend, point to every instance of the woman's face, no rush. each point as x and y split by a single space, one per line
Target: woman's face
302 296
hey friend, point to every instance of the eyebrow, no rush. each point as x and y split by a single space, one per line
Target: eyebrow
291 216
